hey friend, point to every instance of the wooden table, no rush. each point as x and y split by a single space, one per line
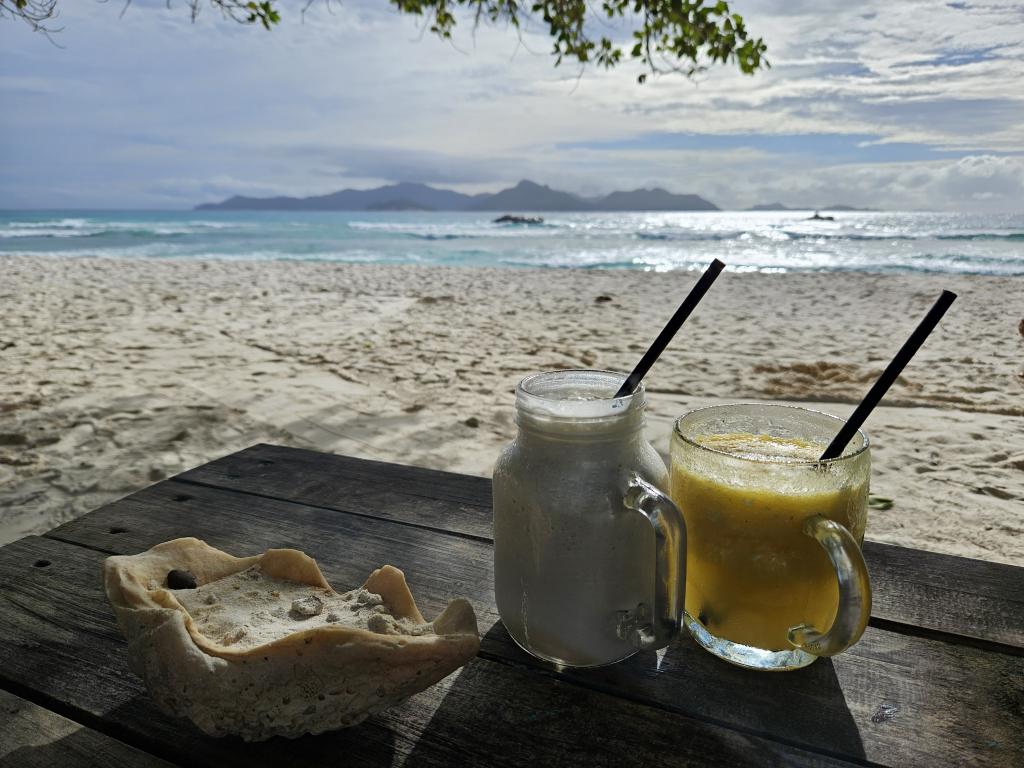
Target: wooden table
938 678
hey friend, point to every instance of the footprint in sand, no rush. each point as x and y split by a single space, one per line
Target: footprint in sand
999 493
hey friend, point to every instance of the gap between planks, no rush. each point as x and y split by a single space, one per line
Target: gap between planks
88 720
271 497
889 625
547 671
169 490
137 739
127 736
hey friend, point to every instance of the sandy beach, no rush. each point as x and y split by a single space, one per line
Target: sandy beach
117 374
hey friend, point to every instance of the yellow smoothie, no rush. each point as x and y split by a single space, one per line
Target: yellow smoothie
751 571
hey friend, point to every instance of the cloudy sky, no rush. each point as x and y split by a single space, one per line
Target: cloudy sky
884 104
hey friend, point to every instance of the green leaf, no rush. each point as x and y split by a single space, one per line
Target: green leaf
683 36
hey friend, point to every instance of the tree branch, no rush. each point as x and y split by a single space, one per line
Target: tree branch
684 36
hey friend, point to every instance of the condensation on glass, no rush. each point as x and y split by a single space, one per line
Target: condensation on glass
589 552
776 577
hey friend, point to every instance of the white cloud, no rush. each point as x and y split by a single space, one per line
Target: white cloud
973 183
150 109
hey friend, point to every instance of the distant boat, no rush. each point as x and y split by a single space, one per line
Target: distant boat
818 217
508 219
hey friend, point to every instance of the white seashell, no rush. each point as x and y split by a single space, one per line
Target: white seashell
243 665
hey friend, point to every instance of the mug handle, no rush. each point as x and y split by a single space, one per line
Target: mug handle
854 591
651 632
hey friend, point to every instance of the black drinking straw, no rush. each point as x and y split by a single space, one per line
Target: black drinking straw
689 303
880 387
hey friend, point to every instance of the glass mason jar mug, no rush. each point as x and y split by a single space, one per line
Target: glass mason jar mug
776 576
589 553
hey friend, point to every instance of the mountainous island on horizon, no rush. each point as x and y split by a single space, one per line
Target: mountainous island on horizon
524 196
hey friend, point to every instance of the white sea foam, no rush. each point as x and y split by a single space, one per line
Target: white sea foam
760 241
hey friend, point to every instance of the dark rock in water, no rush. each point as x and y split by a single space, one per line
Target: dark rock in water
818 217
179 579
507 219
602 299
472 421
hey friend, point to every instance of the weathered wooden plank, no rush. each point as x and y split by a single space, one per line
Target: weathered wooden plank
960 595
61 641
896 699
34 737
956 595
443 500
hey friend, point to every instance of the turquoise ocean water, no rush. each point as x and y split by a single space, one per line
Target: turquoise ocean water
784 241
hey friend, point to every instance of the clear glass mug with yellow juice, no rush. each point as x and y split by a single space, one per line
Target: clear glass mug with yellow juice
775 575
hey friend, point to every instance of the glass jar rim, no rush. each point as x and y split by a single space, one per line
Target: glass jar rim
677 432
590 409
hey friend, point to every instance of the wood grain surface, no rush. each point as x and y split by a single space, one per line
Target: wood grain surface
35 737
962 597
937 680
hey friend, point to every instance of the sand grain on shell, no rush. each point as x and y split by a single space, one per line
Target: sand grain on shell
120 373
